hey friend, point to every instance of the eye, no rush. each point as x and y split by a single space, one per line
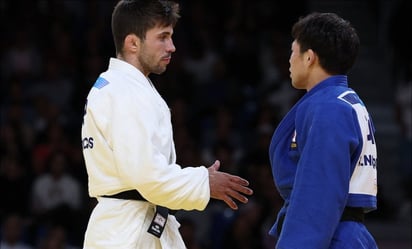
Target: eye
164 36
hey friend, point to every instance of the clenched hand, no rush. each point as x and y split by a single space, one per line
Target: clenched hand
227 187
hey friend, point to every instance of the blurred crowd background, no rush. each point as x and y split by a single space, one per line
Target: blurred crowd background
227 87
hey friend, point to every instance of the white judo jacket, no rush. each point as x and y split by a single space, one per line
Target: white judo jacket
128 144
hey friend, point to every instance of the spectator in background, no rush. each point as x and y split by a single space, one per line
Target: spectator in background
14 186
220 136
403 105
402 74
16 133
244 231
56 237
399 42
56 196
53 137
55 187
54 85
188 229
23 58
12 233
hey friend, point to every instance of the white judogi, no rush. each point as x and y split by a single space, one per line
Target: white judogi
128 144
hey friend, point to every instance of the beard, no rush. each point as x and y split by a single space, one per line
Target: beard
150 64
158 69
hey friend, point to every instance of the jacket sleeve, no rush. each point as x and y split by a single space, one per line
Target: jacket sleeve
142 156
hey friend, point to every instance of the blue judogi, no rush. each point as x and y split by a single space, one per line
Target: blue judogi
323 158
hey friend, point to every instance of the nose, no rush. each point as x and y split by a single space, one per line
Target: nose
170 46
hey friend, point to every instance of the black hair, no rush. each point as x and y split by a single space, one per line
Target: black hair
331 37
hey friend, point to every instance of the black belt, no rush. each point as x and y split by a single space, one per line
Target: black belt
353 214
127 195
132 195
160 216
349 214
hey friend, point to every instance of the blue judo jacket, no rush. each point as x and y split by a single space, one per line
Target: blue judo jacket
323 158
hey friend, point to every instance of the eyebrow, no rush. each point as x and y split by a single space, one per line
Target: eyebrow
164 33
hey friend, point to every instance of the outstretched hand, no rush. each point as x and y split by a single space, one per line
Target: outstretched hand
227 187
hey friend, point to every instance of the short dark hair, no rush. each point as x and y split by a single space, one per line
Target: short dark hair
138 16
331 37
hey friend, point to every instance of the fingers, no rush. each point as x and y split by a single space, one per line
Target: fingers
226 187
228 199
239 180
230 202
240 185
236 195
238 192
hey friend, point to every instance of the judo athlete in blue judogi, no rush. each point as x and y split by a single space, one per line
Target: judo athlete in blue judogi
323 153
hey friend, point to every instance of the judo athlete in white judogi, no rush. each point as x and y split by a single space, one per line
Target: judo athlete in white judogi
128 142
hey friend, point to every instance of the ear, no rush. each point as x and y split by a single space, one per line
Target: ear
131 43
310 57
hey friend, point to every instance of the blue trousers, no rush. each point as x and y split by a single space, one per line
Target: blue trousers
352 235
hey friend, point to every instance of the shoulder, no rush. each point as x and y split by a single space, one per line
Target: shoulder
332 102
111 88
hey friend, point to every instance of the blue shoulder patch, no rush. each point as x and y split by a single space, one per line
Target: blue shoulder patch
352 98
100 83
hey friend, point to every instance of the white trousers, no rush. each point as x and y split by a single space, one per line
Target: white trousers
123 224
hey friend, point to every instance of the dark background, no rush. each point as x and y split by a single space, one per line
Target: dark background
227 87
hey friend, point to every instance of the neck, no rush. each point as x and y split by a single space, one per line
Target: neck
317 76
132 60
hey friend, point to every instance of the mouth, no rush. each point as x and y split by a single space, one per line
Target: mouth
166 59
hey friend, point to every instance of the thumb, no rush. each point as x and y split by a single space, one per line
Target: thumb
216 165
